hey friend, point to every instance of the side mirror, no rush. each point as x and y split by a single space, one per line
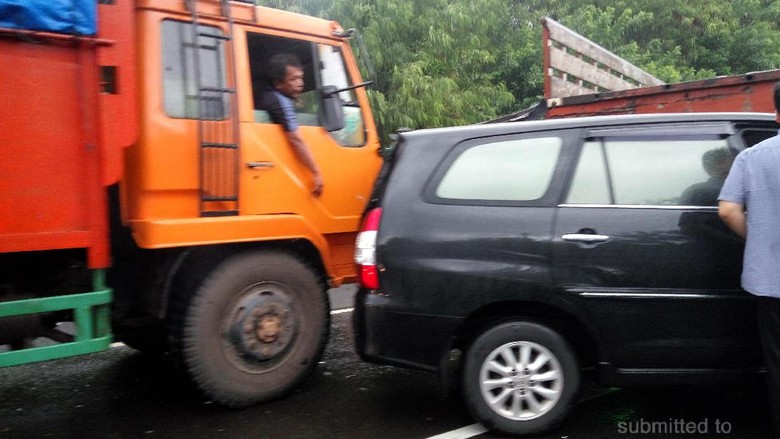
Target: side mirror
332 108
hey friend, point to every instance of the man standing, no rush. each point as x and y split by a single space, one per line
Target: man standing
286 74
750 206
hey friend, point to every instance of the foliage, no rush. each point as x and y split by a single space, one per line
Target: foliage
453 62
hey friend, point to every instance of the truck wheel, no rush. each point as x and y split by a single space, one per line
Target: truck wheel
520 378
255 328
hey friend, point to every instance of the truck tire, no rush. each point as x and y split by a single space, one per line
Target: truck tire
520 378
254 328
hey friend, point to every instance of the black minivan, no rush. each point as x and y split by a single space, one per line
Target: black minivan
538 249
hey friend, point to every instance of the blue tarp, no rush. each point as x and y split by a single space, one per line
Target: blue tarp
62 16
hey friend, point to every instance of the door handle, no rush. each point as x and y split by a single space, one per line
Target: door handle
260 165
587 238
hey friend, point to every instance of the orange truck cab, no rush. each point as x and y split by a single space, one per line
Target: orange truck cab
146 197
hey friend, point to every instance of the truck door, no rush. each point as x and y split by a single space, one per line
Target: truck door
639 241
273 180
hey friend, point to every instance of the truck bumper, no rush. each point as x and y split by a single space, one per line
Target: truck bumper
91 313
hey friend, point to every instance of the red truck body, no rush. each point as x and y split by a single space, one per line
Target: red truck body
581 78
52 186
751 92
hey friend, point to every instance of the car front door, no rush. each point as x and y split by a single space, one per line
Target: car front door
638 241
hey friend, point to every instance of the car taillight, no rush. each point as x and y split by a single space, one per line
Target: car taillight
365 250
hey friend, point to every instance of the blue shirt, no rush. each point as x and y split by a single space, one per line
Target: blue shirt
280 108
754 181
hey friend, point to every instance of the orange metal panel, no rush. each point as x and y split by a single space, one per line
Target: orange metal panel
44 241
60 140
50 178
42 172
161 181
247 13
118 110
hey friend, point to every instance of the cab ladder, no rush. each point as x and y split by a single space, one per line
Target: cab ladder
217 115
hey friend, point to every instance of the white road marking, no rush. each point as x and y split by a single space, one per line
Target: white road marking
462 433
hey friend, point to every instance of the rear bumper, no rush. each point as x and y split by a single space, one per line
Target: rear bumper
386 334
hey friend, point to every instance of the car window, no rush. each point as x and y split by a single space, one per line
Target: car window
754 136
645 171
512 170
590 184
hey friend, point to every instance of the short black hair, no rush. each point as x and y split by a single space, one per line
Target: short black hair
277 66
713 159
777 97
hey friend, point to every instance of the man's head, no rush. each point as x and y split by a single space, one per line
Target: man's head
717 162
286 73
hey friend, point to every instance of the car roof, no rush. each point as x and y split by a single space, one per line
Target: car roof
468 131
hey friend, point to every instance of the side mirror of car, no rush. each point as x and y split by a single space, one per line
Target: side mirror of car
332 108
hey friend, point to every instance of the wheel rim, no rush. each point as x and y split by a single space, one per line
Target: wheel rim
521 380
260 327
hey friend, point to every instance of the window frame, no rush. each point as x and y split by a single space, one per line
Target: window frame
741 132
313 74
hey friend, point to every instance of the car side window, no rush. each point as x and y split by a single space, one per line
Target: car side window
754 136
651 171
590 184
510 170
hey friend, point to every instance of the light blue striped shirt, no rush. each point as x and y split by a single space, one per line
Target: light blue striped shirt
754 181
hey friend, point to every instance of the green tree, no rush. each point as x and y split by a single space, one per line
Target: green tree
453 62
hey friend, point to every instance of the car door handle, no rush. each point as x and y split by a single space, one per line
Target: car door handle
587 238
260 165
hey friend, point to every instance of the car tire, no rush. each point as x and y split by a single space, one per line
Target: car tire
520 378
254 329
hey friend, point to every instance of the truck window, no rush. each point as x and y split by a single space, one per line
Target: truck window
323 65
334 73
180 79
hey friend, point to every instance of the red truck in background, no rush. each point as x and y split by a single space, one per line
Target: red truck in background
584 79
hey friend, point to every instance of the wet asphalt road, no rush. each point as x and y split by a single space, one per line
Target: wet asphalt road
122 393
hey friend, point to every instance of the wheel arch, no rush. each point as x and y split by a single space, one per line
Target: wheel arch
571 328
188 266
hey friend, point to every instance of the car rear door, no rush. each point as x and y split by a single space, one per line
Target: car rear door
638 242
